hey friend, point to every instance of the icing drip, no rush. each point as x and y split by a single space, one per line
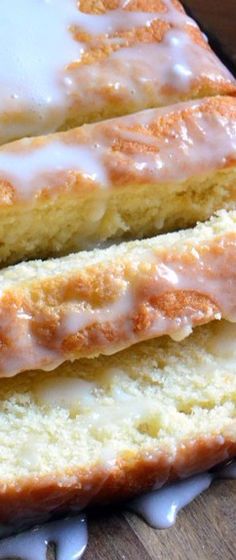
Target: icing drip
44 166
160 508
69 536
41 86
211 272
207 140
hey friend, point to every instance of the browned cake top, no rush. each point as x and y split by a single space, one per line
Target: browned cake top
83 61
158 146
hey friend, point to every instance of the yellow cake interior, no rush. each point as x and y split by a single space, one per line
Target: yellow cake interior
152 397
71 223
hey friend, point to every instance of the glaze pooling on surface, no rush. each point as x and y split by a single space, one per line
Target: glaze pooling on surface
158 508
46 166
168 275
208 269
45 84
70 537
205 141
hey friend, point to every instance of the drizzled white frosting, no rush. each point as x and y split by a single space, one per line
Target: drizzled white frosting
76 319
40 82
69 535
195 145
41 167
204 142
203 276
159 509
210 270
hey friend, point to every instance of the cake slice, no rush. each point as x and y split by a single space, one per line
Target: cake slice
134 176
65 63
106 429
101 301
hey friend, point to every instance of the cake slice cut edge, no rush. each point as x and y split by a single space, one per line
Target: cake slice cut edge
132 177
104 430
115 60
102 301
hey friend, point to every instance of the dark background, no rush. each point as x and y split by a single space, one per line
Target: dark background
218 19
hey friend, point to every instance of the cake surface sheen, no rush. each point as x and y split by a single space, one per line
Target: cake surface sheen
105 300
117 363
106 429
83 61
135 176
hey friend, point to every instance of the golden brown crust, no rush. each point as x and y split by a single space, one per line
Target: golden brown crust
156 94
101 6
122 141
159 170
99 307
108 58
37 498
153 33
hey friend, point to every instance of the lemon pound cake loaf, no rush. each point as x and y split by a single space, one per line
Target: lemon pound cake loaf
106 429
101 301
80 61
134 176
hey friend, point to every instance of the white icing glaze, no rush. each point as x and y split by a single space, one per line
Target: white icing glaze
41 82
178 63
180 334
76 319
205 142
33 77
202 276
23 344
160 507
66 392
41 168
69 535
211 272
